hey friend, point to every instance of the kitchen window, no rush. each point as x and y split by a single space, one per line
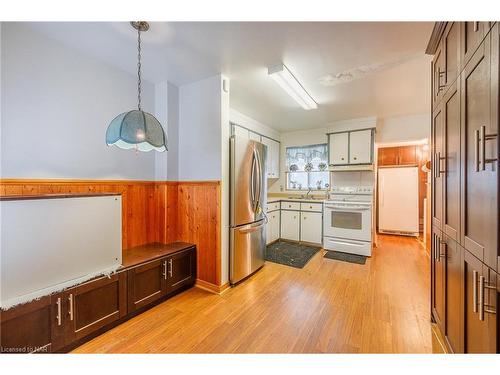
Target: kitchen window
307 167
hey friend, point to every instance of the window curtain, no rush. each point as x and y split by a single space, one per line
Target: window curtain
307 158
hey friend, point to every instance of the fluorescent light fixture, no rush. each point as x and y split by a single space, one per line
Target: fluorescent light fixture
289 83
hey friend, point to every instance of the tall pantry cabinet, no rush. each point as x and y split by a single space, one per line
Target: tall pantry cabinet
465 261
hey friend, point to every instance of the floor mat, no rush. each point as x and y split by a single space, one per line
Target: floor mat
345 257
290 253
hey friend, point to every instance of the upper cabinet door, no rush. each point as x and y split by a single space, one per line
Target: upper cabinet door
388 156
473 33
273 156
360 147
479 104
407 155
451 50
339 148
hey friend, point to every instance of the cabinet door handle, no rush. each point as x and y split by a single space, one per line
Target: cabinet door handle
483 137
165 269
70 300
474 291
476 150
476 26
58 317
441 245
481 298
170 268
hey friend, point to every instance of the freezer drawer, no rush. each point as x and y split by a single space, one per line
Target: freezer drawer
248 246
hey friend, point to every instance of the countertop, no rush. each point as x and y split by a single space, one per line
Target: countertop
294 199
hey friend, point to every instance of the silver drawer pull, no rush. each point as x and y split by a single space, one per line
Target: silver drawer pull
481 298
170 267
474 291
165 269
70 300
58 317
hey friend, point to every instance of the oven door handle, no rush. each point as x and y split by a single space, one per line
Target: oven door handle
355 208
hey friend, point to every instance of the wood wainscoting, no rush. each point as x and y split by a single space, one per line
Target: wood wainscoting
152 211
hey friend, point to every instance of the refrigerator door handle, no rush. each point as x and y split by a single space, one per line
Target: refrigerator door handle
250 229
252 180
259 183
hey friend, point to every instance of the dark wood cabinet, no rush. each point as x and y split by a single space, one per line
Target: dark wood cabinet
437 155
27 328
438 271
181 270
449 162
472 34
397 156
481 301
152 281
95 304
465 210
479 100
146 283
150 274
453 327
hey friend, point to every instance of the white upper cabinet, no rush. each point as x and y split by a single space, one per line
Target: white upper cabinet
351 147
273 157
360 147
339 148
273 149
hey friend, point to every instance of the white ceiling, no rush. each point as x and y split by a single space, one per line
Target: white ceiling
386 58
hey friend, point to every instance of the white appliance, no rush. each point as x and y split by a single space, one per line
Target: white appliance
347 220
398 200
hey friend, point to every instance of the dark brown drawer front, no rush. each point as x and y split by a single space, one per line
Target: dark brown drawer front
146 284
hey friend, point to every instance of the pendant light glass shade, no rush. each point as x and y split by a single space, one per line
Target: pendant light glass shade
136 129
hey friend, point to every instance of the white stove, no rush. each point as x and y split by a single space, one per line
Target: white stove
347 220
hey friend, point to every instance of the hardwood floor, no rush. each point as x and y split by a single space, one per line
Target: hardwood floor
326 307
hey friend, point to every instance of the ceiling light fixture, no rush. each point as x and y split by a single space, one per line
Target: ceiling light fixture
137 129
289 83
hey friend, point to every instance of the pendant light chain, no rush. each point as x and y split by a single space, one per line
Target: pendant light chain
139 68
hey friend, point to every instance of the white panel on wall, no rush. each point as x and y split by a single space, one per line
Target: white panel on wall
51 244
56 106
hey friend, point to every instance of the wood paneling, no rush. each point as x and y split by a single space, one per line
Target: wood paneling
152 211
199 223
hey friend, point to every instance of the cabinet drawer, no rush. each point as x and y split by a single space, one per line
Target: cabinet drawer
273 206
290 206
318 207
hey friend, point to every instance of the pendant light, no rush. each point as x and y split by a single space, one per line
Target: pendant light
137 129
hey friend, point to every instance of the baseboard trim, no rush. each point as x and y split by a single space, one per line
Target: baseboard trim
209 287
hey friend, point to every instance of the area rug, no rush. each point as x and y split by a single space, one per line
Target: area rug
345 257
290 253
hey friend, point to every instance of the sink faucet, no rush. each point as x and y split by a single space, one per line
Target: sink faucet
308 192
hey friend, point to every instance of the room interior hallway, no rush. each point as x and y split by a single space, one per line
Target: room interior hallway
326 307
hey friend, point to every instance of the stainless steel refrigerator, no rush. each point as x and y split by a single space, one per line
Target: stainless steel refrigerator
248 195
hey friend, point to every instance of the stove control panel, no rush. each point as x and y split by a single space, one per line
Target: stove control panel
358 190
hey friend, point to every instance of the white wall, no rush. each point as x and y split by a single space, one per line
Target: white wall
56 106
200 130
402 129
167 112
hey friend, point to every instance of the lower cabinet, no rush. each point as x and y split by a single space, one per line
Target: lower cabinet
438 270
146 284
152 281
453 320
27 328
181 270
273 227
55 322
481 301
290 225
82 310
311 224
